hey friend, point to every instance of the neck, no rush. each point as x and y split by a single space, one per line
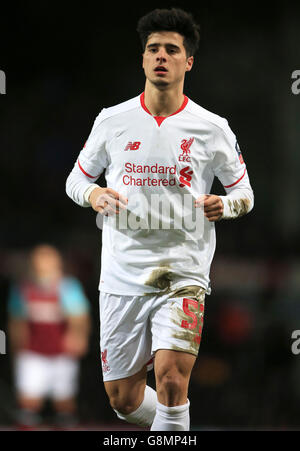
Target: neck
163 102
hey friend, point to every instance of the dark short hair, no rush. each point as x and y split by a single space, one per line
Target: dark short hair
174 19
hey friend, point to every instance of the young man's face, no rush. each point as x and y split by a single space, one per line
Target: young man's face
165 61
46 263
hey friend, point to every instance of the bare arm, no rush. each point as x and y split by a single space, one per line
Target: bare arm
18 334
75 341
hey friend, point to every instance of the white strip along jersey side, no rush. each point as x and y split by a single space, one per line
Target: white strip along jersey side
161 168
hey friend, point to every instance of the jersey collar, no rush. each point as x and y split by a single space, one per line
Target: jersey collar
160 119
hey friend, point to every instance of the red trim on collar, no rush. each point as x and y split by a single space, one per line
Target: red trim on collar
160 119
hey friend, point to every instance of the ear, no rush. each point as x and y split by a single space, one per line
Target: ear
189 63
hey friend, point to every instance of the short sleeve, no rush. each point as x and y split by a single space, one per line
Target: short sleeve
72 296
228 162
16 303
93 159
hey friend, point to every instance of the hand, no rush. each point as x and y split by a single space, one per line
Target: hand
107 201
212 205
73 345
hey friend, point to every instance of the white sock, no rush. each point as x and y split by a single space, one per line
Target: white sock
172 418
145 413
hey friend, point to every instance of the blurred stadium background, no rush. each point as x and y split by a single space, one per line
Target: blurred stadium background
63 64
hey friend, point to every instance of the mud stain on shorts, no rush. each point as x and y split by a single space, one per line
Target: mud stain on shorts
191 338
192 291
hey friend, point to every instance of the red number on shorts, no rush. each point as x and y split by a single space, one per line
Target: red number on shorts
193 325
186 303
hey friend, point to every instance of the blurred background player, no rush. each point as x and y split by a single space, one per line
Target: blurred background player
49 329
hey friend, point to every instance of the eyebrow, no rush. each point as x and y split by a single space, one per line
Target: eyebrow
156 44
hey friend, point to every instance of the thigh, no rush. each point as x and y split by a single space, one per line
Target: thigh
177 323
32 374
176 362
130 389
125 337
65 372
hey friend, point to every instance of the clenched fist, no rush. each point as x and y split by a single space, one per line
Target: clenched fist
107 201
212 205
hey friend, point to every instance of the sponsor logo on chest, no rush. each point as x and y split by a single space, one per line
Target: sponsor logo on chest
184 174
133 145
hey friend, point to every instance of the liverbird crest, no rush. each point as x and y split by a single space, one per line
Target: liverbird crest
186 144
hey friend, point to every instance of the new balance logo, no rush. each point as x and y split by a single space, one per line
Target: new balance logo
133 145
185 177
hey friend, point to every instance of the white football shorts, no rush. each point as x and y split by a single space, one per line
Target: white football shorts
133 328
39 376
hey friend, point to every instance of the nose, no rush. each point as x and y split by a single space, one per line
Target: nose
161 55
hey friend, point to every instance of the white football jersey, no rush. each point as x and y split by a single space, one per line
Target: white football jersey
161 242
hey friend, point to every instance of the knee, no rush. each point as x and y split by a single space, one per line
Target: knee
171 383
34 404
122 402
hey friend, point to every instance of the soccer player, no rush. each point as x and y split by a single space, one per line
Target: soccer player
156 148
49 328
